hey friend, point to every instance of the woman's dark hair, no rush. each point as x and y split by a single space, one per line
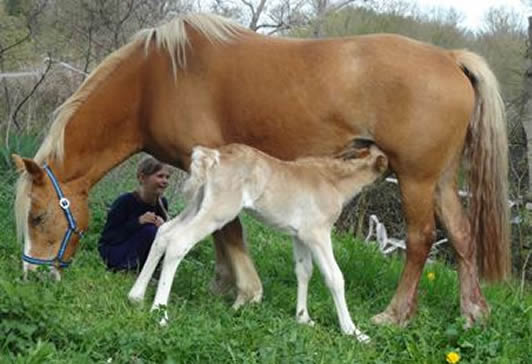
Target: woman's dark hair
148 166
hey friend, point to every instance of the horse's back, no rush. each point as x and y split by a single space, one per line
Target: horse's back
293 98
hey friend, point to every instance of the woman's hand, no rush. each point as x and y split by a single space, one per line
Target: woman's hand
151 218
159 221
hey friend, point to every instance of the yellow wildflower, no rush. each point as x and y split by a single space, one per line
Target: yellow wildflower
431 276
453 357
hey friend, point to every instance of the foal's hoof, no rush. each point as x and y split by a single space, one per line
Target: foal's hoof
385 318
362 338
135 300
163 322
306 321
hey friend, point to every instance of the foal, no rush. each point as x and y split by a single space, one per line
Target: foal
303 198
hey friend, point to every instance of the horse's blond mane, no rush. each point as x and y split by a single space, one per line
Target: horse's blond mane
173 36
52 148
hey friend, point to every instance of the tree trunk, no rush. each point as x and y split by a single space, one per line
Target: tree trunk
527 107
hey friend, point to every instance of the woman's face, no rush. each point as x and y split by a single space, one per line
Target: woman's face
155 183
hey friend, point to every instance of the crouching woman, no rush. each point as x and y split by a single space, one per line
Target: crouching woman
134 218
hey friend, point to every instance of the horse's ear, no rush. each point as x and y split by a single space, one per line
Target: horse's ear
19 164
29 165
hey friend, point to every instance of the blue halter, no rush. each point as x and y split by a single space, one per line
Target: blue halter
72 227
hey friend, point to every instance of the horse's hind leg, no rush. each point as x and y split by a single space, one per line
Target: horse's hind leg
223 280
234 266
418 207
451 213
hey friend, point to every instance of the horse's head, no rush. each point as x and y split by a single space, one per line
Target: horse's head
50 216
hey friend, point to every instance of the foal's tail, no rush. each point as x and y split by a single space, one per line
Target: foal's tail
487 150
203 159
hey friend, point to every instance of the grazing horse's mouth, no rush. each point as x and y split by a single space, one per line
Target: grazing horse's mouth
50 271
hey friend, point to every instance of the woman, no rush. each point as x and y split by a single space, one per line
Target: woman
134 218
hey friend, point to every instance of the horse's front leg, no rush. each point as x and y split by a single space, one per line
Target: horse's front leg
234 266
418 206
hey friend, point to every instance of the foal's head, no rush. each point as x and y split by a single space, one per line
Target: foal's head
356 166
51 222
366 151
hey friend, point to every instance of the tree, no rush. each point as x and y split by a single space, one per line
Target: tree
527 107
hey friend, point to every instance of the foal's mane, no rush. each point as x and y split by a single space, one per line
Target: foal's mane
171 36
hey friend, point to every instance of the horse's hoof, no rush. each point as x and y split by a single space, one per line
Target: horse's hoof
475 314
384 318
219 287
243 298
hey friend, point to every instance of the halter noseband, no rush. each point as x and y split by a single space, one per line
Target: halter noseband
72 227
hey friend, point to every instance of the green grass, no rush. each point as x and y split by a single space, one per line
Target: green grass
86 318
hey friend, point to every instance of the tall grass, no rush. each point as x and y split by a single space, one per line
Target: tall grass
86 318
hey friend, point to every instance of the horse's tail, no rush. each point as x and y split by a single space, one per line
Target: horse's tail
487 151
202 161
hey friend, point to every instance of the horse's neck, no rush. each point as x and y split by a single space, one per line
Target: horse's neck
92 160
104 130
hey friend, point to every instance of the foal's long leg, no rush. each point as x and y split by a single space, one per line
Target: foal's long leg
137 292
303 268
418 205
449 209
184 237
320 245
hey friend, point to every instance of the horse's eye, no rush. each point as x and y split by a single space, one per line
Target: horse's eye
36 220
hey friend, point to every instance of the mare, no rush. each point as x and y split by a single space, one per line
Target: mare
303 198
203 80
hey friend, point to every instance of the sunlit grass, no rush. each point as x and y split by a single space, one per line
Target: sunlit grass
87 319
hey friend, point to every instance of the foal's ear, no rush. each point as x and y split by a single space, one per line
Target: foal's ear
28 165
362 153
352 153
381 163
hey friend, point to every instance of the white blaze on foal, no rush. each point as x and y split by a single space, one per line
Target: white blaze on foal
303 198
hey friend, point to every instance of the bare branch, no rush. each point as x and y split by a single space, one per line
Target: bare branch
41 79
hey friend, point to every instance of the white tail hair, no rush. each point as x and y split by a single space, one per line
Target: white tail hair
203 160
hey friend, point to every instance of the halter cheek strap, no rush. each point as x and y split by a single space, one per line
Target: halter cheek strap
64 203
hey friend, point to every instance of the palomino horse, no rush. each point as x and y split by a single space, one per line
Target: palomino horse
203 80
303 198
